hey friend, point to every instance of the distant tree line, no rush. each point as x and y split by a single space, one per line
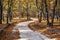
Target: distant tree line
42 7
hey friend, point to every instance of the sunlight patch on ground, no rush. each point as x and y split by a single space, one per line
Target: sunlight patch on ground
34 19
23 39
13 30
49 39
25 30
53 39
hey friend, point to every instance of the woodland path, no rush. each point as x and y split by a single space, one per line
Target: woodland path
27 34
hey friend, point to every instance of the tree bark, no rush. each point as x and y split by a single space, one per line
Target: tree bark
27 12
46 12
54 11
9 13
1 11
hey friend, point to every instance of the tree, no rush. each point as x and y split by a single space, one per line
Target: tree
1 10
53 14
39 8
27 10
46 10
9 14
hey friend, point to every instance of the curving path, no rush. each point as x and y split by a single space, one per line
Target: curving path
27 34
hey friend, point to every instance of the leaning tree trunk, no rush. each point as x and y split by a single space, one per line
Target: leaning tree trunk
1 11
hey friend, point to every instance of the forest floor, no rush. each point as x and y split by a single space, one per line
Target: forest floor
21 30
8 33
44 29
2 26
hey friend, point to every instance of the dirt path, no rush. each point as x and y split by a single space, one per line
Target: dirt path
27 34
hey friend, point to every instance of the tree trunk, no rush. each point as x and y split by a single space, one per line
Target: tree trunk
27 12
11 3
40 10
40 15
46 12
1 11
54 12
9 14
